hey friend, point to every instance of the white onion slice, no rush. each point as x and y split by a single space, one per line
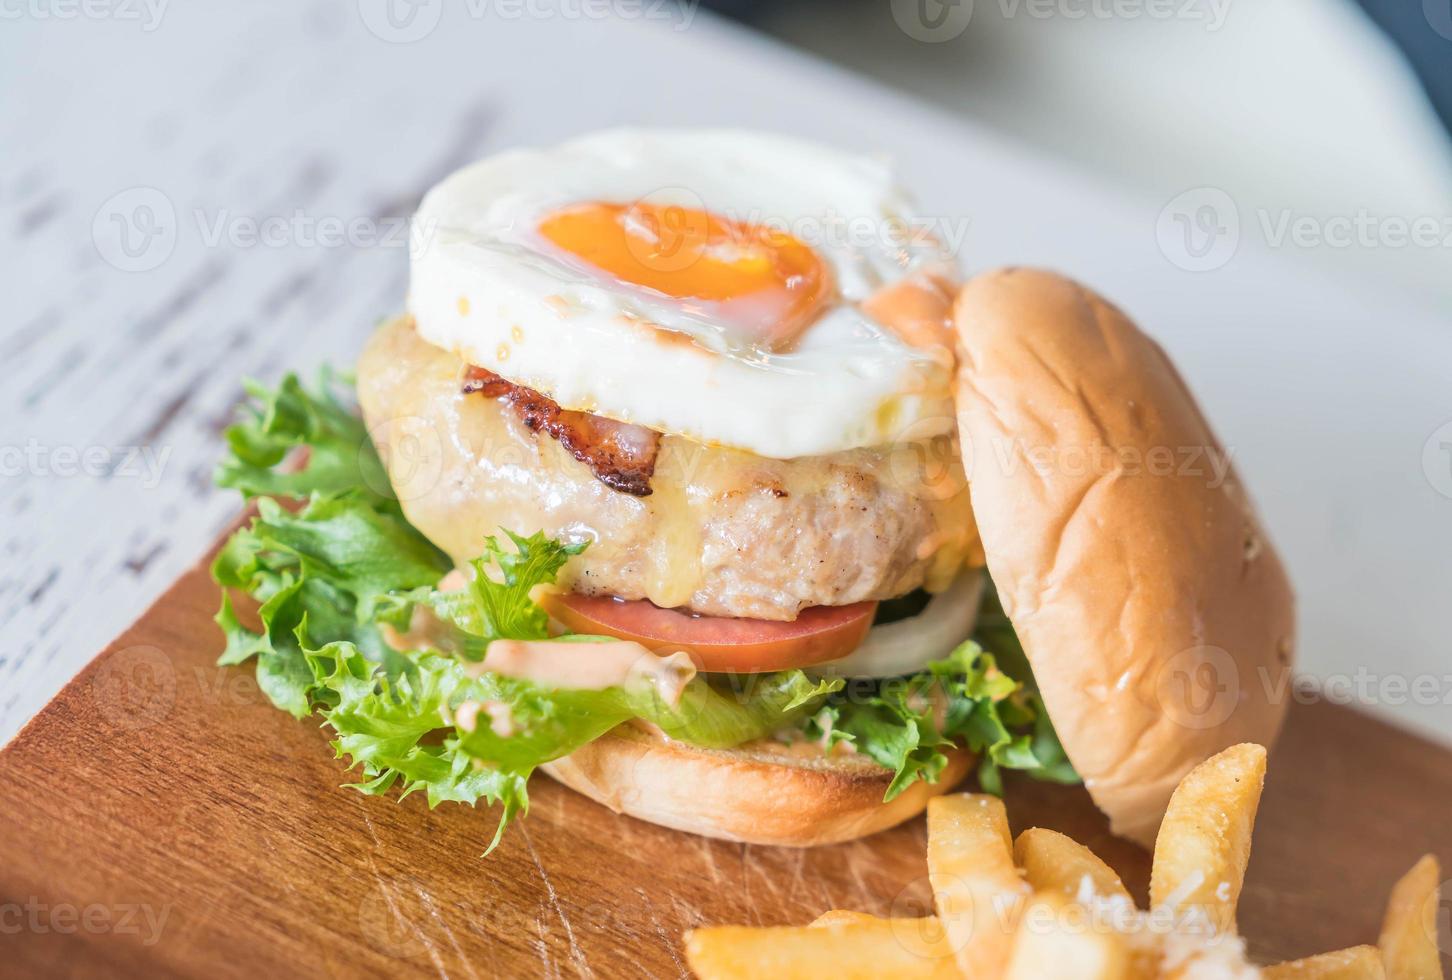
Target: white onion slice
903 647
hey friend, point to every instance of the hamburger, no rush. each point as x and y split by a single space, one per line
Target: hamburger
698 476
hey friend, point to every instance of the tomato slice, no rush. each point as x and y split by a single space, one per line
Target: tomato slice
719 643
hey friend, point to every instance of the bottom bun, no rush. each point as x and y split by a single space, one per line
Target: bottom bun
759 794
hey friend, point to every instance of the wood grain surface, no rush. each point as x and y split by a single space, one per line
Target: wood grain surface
160 818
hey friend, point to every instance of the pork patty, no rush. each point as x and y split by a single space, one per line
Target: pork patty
724 532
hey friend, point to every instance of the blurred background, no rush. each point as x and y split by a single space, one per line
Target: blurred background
1296 108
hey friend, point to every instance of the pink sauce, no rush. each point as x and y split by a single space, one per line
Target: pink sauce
589 666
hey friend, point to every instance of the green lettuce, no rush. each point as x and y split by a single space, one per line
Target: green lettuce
909 724
340 577
272 426
970 697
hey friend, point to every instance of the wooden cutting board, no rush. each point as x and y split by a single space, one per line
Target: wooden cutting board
161 818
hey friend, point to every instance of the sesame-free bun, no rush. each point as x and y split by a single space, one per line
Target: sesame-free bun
758 793
1149 600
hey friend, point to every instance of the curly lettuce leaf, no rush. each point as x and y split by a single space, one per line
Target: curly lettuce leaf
382 724
324 577
275 425
909 724
347 543
432 730
390 728
504 607
546 723
332 562
341 576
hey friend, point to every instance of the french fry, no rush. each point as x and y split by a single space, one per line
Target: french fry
1052 942
1204 843
1409 931
1044 906
976 888
1053 862
833 917
845 950
836 917
1356 963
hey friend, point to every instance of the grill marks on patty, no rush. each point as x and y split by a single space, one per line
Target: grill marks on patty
621 455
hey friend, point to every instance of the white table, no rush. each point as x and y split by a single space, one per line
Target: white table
123 368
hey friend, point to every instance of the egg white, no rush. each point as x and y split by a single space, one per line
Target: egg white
485 286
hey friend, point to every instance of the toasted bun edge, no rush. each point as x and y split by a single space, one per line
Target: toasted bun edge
742 794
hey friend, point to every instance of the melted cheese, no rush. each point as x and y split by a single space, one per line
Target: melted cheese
724 531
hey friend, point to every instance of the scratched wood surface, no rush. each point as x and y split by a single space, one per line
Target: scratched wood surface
161 819
219 142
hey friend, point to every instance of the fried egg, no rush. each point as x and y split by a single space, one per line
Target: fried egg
708 284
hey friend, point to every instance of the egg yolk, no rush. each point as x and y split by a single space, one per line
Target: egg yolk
762 283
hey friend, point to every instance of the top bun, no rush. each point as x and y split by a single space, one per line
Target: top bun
1155 613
